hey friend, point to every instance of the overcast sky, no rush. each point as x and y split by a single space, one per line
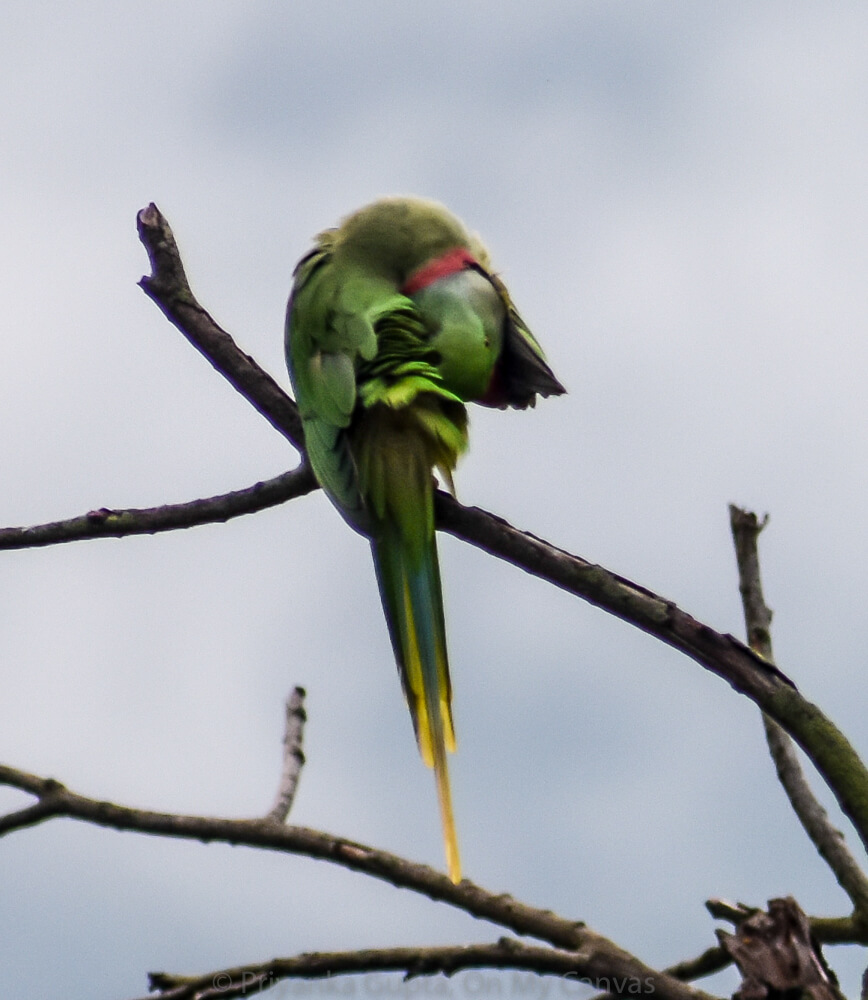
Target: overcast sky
677 196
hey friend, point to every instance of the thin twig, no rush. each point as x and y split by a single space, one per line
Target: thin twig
710 961
107 523
579 968
828 840
293 756
167 285
733 913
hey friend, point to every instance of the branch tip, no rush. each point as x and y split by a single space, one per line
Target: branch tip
167 286
293 756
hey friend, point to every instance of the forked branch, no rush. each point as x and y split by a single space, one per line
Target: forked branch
828 840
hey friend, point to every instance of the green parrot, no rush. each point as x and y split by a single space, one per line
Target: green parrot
395 321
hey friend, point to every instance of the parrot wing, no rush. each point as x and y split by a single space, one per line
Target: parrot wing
330 330
522 372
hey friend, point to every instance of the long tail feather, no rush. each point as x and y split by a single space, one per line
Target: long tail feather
396 449
410 589
424 611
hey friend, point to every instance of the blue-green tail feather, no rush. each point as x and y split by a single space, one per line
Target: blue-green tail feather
409 580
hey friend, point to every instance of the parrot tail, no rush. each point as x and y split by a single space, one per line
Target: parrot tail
414 610
396 450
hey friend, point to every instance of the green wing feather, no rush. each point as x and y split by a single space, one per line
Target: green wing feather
330 331
522 372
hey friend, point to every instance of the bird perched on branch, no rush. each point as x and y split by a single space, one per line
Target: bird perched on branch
395 321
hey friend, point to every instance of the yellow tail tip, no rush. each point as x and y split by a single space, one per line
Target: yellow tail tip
444 794
453 862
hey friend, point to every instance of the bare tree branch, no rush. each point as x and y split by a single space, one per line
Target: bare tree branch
167 285
710 961
828 840
746 527
746 671
828 930
596 957
733 913
106 523
293 757
599 954
507 953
